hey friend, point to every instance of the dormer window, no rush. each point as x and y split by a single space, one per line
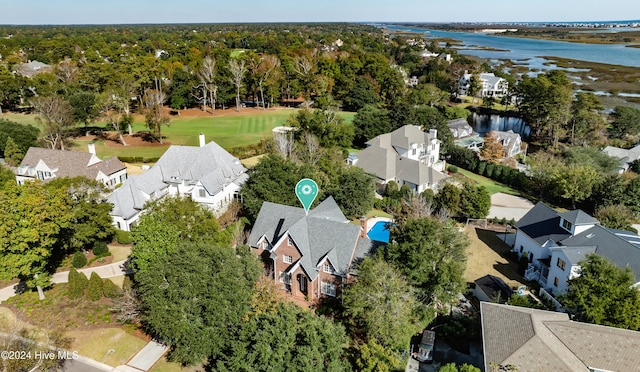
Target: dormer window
327 268
567 225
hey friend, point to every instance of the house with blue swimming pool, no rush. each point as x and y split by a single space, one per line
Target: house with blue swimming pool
310 255
408 156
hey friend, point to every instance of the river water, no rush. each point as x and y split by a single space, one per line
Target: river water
529 52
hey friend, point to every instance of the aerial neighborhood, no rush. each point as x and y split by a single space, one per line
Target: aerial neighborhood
313 197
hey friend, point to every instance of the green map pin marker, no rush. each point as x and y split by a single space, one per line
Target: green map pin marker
306 191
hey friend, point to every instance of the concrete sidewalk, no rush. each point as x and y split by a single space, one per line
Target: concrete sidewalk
147 357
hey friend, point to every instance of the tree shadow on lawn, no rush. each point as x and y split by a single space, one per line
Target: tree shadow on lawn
509 269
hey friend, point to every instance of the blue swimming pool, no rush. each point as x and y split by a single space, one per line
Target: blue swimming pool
380 232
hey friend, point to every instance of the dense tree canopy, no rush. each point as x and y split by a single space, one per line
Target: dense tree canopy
274 180
32 218
286 339
353 192
431 254
603 294
382 304
24 136
194 297
90 221
626 121
169 221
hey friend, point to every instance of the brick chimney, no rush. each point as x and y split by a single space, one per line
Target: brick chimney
363 227
202 140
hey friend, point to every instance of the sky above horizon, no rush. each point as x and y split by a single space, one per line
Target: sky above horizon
212 11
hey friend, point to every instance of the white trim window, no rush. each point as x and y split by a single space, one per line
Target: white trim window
327 268
287 259
328 289
290 241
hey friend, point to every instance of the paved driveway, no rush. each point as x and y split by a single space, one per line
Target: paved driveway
508 206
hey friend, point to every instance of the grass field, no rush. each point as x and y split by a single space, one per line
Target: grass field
112 346
489 184
227 130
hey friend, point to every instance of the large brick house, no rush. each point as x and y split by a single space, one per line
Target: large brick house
311 255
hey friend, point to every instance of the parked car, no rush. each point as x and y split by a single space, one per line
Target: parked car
426 347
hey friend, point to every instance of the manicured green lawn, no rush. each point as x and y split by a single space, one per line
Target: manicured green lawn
489 184
227 131
20 118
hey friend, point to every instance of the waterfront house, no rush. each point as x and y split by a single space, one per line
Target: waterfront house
490 85
407 156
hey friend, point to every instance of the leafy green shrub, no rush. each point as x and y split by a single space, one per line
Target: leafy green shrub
481 167
77 284
78 260
123 237
94 289
100 248
110 289
452 169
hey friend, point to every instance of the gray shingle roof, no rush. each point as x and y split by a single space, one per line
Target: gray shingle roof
211 165
323 233
538 340
609 245
378 161
575 254
382 159
578 217
129 199
542 223
71 163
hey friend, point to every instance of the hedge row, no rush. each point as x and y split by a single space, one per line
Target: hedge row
247 151
137 159
94 288
468 159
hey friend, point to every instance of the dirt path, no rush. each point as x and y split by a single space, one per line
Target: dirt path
484 257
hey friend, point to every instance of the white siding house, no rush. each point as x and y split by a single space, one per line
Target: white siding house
207 174
47 164
407 156
555 242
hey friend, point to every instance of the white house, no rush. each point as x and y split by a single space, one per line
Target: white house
511 142
554 242
47 164
491 85
407 156
625 156
207 174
